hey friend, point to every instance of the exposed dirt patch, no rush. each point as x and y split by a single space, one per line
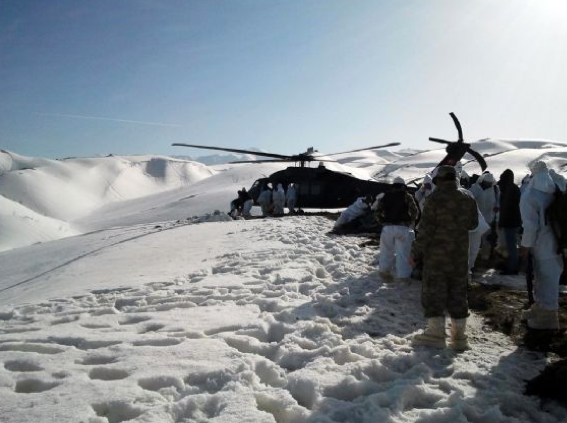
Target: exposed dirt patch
502 311
502 308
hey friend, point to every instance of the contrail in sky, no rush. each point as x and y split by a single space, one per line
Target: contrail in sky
138 122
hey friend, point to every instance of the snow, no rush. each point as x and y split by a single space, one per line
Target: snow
144 305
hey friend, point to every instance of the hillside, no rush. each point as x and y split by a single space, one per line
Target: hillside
50 199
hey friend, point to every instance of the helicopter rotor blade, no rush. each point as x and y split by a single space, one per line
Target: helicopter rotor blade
478 158
291 160
440 140
458 125
262 161
392 144
232 150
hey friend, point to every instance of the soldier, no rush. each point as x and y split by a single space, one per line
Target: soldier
278 198
245 201
396 211
487 195
509 220
424 191
265 200
540 241
291 198
443 245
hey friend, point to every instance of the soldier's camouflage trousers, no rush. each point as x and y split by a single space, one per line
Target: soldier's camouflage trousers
445 291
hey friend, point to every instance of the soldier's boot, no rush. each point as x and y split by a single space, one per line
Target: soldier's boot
459 339
403 280
385 275
531 312
544 319
433 335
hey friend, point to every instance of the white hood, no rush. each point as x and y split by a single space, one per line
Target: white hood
542 182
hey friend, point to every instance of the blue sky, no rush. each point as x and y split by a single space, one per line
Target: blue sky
80 78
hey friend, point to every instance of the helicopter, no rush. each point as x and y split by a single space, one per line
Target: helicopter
322 188
317 187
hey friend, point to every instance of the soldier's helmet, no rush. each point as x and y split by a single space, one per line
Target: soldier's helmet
445 173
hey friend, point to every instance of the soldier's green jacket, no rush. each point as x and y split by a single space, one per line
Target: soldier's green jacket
443 233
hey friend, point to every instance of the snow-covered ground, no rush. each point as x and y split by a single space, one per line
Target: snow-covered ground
140 304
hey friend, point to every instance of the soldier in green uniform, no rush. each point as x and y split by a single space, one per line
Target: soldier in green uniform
443 246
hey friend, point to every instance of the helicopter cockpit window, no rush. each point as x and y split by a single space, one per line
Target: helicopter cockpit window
310 189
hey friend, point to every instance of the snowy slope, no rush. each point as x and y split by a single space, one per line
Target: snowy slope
46 196
498 154
50 199
268 320
21 226
161 311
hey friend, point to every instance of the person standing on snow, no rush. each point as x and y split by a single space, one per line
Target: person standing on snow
234 204
475 235
279 200
443 245
558 179
524 183
487 196
291 198
424 191
509 219
539 241
265 200
462 175
246 201
396 211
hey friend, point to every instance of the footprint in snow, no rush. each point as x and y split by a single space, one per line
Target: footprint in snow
159 342
132 320
31 386
106 373
22 366
31 347
117 411
97 360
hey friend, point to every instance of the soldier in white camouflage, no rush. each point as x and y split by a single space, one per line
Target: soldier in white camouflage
396 211
442 245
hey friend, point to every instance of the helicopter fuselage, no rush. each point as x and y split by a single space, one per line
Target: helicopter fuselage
321 188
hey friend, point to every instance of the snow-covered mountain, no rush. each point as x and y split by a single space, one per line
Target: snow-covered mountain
499 155
137 303
50 199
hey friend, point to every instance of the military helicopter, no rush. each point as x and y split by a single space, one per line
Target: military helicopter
322 188
317 187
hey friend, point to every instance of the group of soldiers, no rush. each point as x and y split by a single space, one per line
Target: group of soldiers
272 201
453 224
241 205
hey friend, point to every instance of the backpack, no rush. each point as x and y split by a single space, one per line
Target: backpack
556 217
395 208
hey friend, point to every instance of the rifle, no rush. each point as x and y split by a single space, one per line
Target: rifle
530 277
493 239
